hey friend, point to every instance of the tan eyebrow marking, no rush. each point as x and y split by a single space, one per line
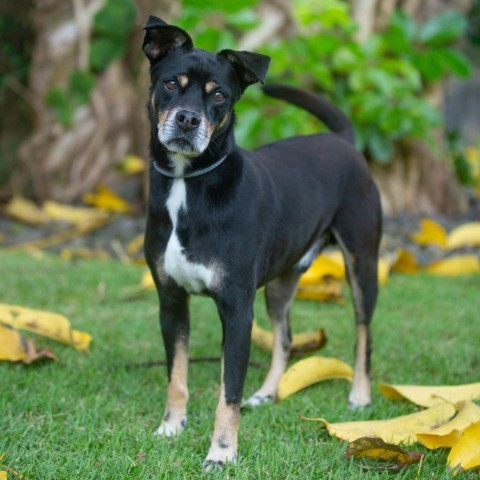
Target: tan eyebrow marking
211 86
183 80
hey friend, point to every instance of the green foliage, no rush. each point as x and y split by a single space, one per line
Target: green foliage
112 25
111 28
380 83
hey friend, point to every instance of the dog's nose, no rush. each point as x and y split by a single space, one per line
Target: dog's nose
187 120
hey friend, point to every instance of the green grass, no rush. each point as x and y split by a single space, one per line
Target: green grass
85 416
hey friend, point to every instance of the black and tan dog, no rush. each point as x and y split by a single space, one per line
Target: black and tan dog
224 221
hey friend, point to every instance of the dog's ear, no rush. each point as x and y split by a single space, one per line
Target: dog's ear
162 38
250 67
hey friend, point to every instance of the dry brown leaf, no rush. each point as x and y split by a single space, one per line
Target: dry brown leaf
449 433
430 233
428 396
465 454
374 448
395 430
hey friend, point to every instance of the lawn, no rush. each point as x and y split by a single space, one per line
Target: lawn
87 416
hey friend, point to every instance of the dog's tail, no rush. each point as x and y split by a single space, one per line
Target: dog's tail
331 116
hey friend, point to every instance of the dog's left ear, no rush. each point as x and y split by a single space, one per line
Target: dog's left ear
250 67
162 38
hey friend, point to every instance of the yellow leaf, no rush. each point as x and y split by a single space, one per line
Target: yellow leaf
25 210
11 345
131 164
147 280
405 262
324 265
446 435
74 215
383 271
428 396
430 233
14 348
107 200
395 430
466 235
48 324
466 452
311 370
455 265
376 449
3 475
325 290
135 245
301 342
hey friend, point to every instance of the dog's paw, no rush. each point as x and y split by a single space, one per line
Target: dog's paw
218 456
170 427
256 400
359 401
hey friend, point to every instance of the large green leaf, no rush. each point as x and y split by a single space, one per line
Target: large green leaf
443 28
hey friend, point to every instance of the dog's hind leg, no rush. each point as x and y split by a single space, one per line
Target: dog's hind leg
360 251
174 321
279 294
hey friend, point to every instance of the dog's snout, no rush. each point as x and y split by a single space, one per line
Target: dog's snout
187 120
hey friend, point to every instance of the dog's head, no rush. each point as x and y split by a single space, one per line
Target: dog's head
193 91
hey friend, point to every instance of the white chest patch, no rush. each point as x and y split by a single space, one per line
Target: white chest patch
194 277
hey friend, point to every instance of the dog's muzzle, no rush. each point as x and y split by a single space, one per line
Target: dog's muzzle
184 132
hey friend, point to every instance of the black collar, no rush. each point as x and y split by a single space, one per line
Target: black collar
195 173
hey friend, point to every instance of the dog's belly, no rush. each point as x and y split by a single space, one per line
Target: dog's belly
193 277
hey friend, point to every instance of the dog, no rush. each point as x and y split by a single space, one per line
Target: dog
223 221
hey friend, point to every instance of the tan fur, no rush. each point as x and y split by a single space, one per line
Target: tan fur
183 80
210 86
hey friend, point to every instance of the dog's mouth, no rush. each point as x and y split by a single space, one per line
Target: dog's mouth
190 144
182 145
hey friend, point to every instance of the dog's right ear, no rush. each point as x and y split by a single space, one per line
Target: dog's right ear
162 38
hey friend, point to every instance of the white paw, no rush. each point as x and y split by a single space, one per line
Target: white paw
257 399
359 399
218 456
171 427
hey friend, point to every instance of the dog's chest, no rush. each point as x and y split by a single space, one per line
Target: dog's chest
194 277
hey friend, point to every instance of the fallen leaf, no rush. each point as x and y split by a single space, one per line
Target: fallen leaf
26 211
48 324
131 164
405 262
301 342
465 454
430 233
455 265
374 448
135 245
12 346
3 475
383 271
147 280
15 348
325 290
395 430
324 265
309 371
73 215
106 199
428 396
466 235
446 435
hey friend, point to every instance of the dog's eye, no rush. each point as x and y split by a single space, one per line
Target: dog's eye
171 85
218 97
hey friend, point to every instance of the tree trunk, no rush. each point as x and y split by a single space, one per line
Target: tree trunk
63 162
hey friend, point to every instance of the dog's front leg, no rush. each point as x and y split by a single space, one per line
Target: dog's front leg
237 318
174 321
